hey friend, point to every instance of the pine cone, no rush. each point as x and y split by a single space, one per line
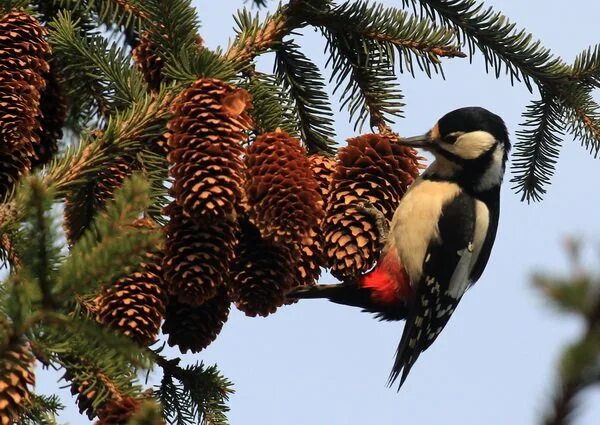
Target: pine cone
135 305
323 168
23 53
206 146
262 275
14 162
282 190
16 376
118 412
148 61
311 259
374 169
53 106
197 256
81 205
82 389
195 327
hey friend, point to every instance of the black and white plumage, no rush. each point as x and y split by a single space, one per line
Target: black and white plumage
441 235
456 203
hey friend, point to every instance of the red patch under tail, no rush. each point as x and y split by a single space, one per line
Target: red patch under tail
389 282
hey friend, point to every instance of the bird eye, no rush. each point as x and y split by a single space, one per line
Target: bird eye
451 138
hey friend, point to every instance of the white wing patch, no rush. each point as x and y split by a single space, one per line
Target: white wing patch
459 283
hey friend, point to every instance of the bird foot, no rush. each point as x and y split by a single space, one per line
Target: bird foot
382 223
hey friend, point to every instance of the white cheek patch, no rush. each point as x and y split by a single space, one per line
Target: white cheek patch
471 145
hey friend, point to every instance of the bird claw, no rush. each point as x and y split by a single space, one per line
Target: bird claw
382 223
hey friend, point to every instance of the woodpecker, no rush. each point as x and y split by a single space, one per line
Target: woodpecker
440 237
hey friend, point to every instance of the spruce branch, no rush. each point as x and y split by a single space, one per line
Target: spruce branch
303 80
42 410
586 67
125 134
582 118
113 245
272 106
202 64
123 13
9 5
255 37
503 46
537 149
408 35
198 396
173 26
91 64
40 250
364 68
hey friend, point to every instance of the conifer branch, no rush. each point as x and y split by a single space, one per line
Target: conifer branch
502 45
42 410
406 33
41 250
365 70
198 397
272 106
303 80
582 118
92 64
112 246
127 13
586 67
538 147
254 37
8 5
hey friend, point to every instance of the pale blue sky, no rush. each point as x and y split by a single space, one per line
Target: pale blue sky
324 364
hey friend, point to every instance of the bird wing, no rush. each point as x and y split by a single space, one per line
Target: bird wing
445 264
493 205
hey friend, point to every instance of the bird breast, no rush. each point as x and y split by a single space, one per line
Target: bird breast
415 222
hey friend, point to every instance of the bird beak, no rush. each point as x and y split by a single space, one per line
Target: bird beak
423 141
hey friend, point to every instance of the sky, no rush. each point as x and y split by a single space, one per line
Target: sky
319 363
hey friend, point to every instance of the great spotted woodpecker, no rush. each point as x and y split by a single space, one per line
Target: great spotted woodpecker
440 237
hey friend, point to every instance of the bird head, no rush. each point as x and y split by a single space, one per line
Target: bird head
470 142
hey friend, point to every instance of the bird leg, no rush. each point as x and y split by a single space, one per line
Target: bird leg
382 223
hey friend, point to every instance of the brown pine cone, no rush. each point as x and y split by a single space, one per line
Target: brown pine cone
262 275
282 190
135 305
14 162
53 106
83 391
198 256
23 54
323 168
16 378
195 327
118 412
207 131
80 206
146 58
311 259
373 169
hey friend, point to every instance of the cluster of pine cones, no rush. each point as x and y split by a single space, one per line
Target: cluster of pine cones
251 217
250 220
